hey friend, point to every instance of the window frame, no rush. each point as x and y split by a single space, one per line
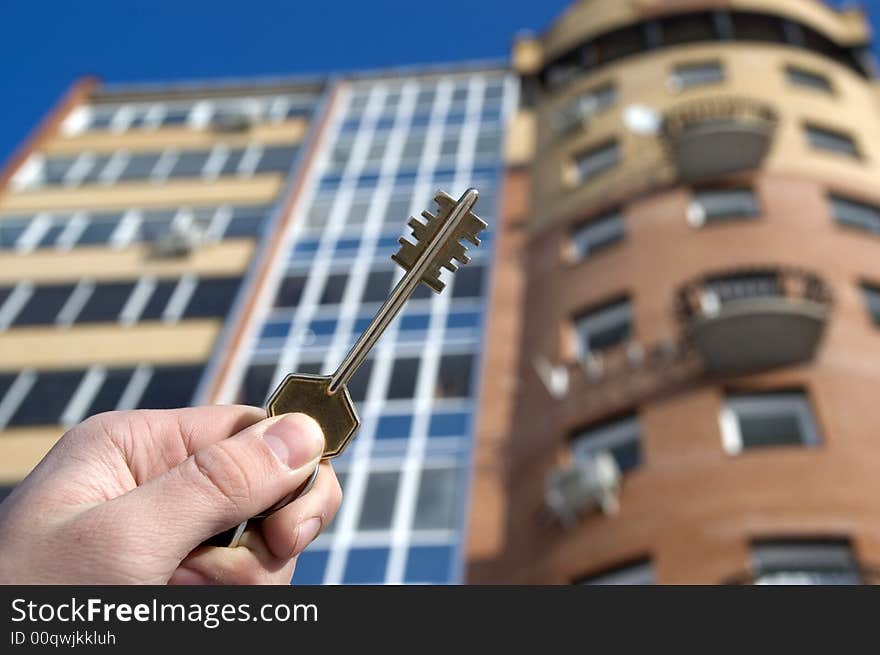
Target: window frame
764 402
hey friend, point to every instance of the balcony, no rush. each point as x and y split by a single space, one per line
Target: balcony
718 136
755 319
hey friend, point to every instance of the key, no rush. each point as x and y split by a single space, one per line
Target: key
438 244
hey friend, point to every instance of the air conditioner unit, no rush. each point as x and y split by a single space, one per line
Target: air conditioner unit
590 484
179 240
238 121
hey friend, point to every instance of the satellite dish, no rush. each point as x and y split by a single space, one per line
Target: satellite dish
642 120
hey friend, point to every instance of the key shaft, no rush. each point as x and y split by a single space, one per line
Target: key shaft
401 292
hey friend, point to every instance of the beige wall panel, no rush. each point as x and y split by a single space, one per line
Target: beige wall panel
108 344
258 189
22 448
223 258
288 132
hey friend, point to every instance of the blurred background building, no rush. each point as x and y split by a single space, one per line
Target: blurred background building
660 367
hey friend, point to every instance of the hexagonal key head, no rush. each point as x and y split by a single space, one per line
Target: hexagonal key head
308 394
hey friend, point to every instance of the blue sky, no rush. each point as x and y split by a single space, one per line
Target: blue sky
44 46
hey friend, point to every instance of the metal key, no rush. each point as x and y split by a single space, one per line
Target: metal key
325 397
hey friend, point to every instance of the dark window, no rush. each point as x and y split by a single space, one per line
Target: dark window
232 162
429 564
805 562
872 298
212 298
832 140
437 500
156 224
190 163
291 290
853 213
139 166
358 386
619 44
687 28
5 292
454 376
255 386
640 572
276 159
728 288
722 205
95 171
112 388
155 306
245 222
598 234
604 327
379 499
5 491
334 288
51 235
388 427
377 287
11 228
6 380
56 169
403 378
808 79
758 27
99 229
620 437
44 304
687 76
47 398
469 282
597 160
171 387
106 302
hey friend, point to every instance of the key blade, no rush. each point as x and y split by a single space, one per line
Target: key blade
469 226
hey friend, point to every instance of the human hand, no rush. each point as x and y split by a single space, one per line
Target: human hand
127 497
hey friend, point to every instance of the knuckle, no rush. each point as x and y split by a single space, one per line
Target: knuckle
222 475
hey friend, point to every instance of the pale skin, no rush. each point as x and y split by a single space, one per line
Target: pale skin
127 497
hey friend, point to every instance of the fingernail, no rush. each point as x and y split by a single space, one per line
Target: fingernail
295 439
308 530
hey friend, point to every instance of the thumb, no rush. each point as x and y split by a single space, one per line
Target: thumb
223 484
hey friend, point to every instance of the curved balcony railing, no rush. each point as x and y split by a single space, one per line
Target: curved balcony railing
795 576
755 318
712 137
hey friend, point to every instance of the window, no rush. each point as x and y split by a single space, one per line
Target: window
170 387
872 298
276 159
804 78
212 298
687 28
358 386
310 567
47 398
366 566
688 76
140 166
767 420
429 564
832 141
158 301
190 163
604 327
403 378
758 27
853 213
99 229
110 392
438 499
11 228
620 437
468 282
246 221
334 288
448 424
291 290
106 302
729 288
379 499
718 205
597 235
454 376
578 111
804 562
44 304
255 386
640 572
394 426
595 161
